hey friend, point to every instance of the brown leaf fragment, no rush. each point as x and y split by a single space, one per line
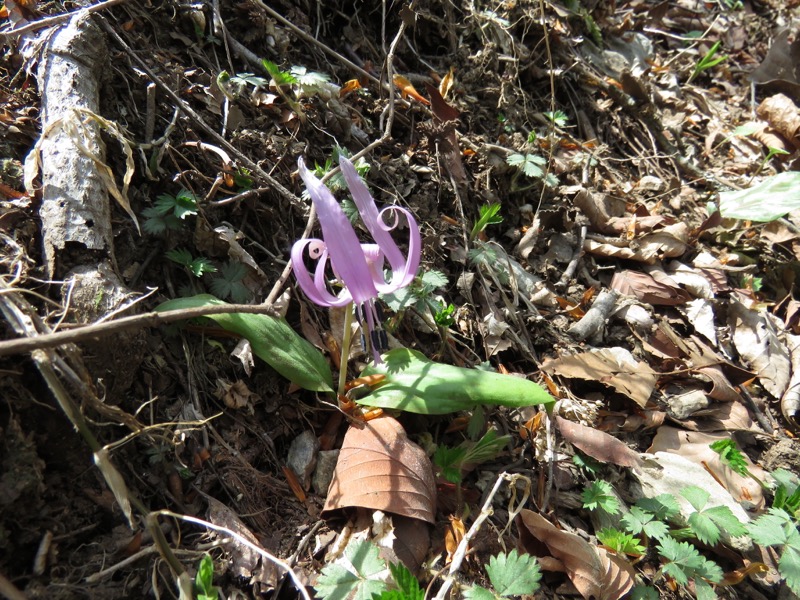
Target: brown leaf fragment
244 561
614 367
780 69
598 444
593 572
645 288
381 469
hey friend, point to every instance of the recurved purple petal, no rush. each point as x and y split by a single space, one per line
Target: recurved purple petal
404 269
340 238
317 293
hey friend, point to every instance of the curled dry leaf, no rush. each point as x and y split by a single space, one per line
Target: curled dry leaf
381 469
594 572
756 337
615 367
669 242
598 444
782 115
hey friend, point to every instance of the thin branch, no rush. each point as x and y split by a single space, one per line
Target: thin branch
56 19
99 330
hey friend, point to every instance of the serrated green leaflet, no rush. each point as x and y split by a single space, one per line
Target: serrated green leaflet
415 384
272 340
514 574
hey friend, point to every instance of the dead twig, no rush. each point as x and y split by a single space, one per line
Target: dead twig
99 330
56 19
596 317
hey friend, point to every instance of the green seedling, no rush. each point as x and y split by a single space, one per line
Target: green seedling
489 215
598 495
708 61
444 316
511 574
529 165
787 493
234 86
558 118
452 461
229 284
196 266
729 453
168 212
204 580
623 543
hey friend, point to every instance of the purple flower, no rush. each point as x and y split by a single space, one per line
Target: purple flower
358 267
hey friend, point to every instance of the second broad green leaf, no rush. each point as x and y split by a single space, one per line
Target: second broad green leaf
272 340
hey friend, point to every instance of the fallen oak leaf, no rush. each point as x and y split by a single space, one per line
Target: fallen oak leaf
598 444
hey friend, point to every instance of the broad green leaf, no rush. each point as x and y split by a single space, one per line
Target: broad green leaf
405 580
769 529
433 279
769 200
696 496
704 528
272 340
477 592
338 583
724 518
514 574
415 384
205 577
789 567
599 494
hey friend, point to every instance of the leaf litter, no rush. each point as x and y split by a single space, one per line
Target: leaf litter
636 281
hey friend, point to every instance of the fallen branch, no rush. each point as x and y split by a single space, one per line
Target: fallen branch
99 330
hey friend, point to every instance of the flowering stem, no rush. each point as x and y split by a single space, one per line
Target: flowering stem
346 338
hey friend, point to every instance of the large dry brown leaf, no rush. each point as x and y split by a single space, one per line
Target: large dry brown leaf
756 337
381 469
593 572
694 446
598 444
645 288
614 367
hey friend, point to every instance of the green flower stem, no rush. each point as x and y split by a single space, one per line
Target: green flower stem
346 339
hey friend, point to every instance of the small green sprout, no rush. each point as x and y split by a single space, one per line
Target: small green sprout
489 215
600 495
558 118
229 283
204 580
168 212
708 61
511 574
623 543
196 266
